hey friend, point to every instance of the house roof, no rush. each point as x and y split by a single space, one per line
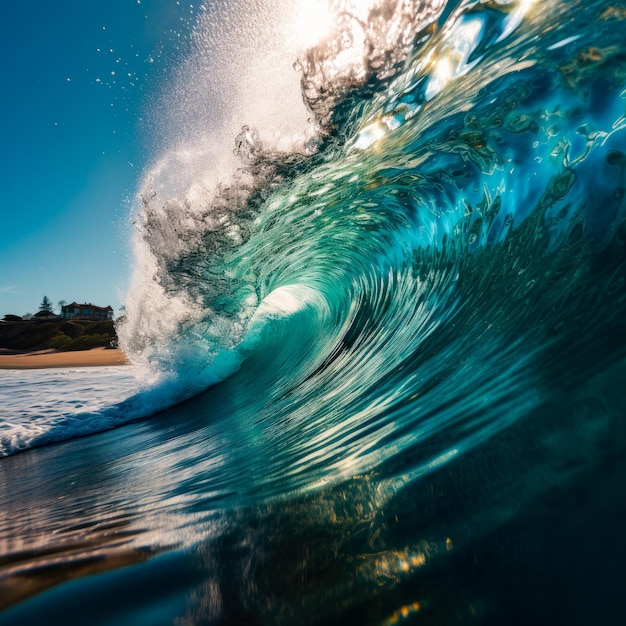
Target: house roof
89 305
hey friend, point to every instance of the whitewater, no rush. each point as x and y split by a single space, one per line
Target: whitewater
377 321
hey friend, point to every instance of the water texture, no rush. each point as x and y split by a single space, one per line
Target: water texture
379 340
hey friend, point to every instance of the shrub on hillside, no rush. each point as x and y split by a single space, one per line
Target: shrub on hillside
87 342
60 342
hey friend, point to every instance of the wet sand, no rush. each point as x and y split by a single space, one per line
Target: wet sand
51 358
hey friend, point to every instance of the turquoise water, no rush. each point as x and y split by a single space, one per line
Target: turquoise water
380 371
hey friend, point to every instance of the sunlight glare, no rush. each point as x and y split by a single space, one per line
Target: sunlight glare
314 22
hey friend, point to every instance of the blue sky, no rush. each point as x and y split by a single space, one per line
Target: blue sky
78 77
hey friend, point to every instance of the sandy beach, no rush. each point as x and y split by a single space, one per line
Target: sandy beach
51 358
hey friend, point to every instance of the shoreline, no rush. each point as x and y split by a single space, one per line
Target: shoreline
43 359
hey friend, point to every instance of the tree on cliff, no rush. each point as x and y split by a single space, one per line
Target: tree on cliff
46 305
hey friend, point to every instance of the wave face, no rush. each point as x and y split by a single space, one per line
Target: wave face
379 301
428 249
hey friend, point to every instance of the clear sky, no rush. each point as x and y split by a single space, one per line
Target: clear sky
77 78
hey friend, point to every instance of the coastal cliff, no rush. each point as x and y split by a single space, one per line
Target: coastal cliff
63 335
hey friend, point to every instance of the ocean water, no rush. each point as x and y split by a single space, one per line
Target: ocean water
378 327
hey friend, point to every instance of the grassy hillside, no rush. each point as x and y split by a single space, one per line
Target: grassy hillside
58 334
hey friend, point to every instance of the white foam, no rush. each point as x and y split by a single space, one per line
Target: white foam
41 406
